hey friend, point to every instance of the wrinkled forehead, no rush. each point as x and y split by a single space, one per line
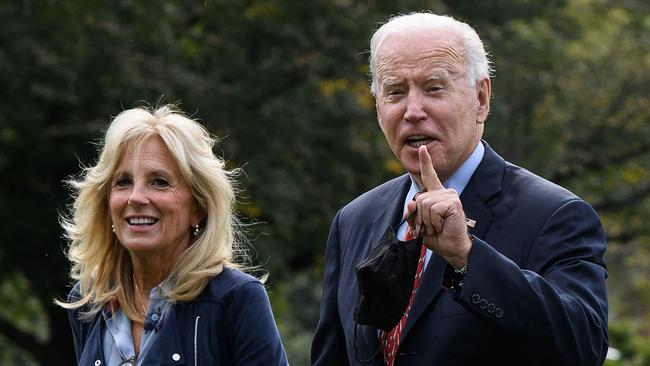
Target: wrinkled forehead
436 48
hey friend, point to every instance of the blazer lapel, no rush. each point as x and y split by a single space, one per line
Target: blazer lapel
367 339
476 210
429 288
393 213
484 183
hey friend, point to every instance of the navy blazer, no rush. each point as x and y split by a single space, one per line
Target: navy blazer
230 323
534 292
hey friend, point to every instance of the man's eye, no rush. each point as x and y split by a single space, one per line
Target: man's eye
160 182
435 88
123 182
394 94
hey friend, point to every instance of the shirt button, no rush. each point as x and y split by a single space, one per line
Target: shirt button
176 357
154 317
98 362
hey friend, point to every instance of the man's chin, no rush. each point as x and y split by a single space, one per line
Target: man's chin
413 170
412 166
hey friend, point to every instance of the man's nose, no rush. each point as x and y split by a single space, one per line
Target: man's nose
414 107
138 196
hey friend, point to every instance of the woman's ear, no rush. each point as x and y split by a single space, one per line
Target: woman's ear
198 214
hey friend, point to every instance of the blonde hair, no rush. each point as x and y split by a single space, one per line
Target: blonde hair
100 264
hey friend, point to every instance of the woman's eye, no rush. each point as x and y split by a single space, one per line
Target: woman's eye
160 182
123 182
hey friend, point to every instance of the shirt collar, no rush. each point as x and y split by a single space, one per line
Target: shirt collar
458 181
158 295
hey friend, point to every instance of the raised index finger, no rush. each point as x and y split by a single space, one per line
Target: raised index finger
427 172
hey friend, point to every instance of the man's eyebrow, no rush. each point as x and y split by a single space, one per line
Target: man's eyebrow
390 81
438 76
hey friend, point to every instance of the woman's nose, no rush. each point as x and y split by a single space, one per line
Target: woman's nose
138 196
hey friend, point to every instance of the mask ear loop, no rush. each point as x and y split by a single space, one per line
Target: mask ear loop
356 350
405 219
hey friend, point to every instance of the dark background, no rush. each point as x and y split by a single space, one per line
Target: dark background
285 83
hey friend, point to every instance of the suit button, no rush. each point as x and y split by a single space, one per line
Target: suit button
491 308
498 313
483 304
476 298
98 362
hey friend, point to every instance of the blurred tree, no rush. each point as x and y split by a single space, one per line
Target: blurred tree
286 84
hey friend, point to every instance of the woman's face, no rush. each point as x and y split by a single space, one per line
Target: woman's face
150 202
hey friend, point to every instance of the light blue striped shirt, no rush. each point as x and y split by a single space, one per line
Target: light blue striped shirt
118 339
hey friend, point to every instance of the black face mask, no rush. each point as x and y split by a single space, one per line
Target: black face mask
385 280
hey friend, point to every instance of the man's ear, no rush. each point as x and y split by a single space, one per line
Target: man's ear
483 92
377 110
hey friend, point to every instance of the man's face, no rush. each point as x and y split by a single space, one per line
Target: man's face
424 99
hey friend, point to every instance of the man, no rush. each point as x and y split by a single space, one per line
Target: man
524 286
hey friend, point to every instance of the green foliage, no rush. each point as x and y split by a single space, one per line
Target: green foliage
22 309
285 84
634 349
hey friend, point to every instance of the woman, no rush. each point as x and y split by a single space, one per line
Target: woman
151 237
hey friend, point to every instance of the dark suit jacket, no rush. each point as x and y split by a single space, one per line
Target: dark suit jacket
534 292
230 323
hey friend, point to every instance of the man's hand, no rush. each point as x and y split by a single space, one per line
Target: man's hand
439 216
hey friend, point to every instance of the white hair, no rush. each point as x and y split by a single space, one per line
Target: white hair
476 58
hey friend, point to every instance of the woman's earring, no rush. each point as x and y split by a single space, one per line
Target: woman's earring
113 227
196 230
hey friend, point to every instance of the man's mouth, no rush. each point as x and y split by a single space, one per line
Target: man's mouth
418 140
141 220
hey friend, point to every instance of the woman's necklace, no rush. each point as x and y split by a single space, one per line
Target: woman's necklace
140 299
130 361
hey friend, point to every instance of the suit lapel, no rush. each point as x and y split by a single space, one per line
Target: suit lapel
394 212
367 336
429 288
476 210
484 184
